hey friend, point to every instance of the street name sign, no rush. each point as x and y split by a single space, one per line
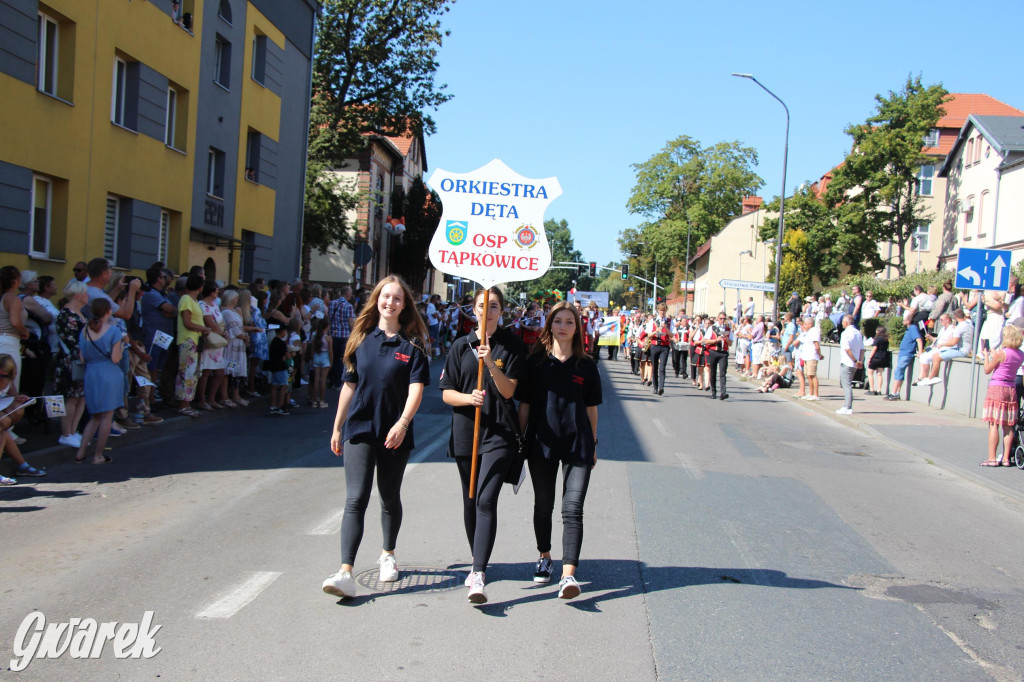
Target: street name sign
745 284
492 224
983 269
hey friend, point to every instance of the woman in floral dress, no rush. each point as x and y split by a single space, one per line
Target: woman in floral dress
70 323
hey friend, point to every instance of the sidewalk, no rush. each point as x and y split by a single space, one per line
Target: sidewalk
941 437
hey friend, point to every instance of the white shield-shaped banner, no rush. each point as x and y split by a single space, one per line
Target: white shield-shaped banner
492 226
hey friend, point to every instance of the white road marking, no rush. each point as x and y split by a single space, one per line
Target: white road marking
331 524
690 467
661 428
240 596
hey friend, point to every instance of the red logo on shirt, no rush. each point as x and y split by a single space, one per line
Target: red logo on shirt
577 379
401 356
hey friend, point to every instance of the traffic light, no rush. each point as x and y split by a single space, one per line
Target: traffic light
625 271
593 269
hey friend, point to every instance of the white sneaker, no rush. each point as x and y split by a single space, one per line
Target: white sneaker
388 568
568 587
844 410
477 595
812 398
931 382
340 584
74 440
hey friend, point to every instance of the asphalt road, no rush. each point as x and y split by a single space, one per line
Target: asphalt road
750 539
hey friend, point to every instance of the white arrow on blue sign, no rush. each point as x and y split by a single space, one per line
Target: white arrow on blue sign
983 269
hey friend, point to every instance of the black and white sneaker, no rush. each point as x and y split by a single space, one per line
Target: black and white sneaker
568 588
543 572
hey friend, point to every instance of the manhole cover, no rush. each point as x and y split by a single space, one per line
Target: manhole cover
413 579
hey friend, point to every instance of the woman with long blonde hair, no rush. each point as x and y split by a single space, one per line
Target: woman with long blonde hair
386 368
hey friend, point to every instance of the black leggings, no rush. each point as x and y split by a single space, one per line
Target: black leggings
360 460
480 514
575 481
659 358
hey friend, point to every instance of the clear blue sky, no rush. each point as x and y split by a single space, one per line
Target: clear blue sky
583 90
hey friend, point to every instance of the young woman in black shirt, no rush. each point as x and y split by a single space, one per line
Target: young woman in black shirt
386 368
503 354
558 411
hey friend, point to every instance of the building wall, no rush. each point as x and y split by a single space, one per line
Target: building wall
724 262
69 137
997 218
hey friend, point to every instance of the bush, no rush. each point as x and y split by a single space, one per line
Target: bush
826 327
894 325
898 289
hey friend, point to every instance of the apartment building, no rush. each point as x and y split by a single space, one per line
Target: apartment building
154 130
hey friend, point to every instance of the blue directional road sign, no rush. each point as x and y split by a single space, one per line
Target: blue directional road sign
983 269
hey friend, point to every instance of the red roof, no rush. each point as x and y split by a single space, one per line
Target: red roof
958 108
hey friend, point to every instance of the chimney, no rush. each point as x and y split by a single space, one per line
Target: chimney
751 204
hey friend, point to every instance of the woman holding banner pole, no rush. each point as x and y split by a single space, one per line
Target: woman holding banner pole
474 394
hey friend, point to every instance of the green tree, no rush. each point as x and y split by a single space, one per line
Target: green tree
373 71
874 192
325 212
422 213
828 247
562 249
687 186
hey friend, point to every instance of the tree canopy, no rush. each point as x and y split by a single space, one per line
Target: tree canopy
874 192
687 185
562 249
422 213
822 247
373 71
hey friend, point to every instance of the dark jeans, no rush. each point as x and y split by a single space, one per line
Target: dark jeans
679 358
360 460
575 481
718 363
659 360
338 367
480 514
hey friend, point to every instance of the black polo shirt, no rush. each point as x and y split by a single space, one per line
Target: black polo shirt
382 370
559 394
460 373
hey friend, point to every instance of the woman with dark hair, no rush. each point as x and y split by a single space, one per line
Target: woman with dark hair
70 323
503 356
558 402
386 368
101 346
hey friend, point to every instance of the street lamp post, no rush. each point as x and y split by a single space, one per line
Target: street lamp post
739 301
782 197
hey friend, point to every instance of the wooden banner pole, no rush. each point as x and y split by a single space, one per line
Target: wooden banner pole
474 466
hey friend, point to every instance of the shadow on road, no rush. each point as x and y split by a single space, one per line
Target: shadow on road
617 579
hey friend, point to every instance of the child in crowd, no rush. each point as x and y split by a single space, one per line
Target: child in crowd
277 365
322 351
295 350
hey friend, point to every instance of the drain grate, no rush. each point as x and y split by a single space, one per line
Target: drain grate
413 579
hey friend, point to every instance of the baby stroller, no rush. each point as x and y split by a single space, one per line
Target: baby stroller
1018 432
